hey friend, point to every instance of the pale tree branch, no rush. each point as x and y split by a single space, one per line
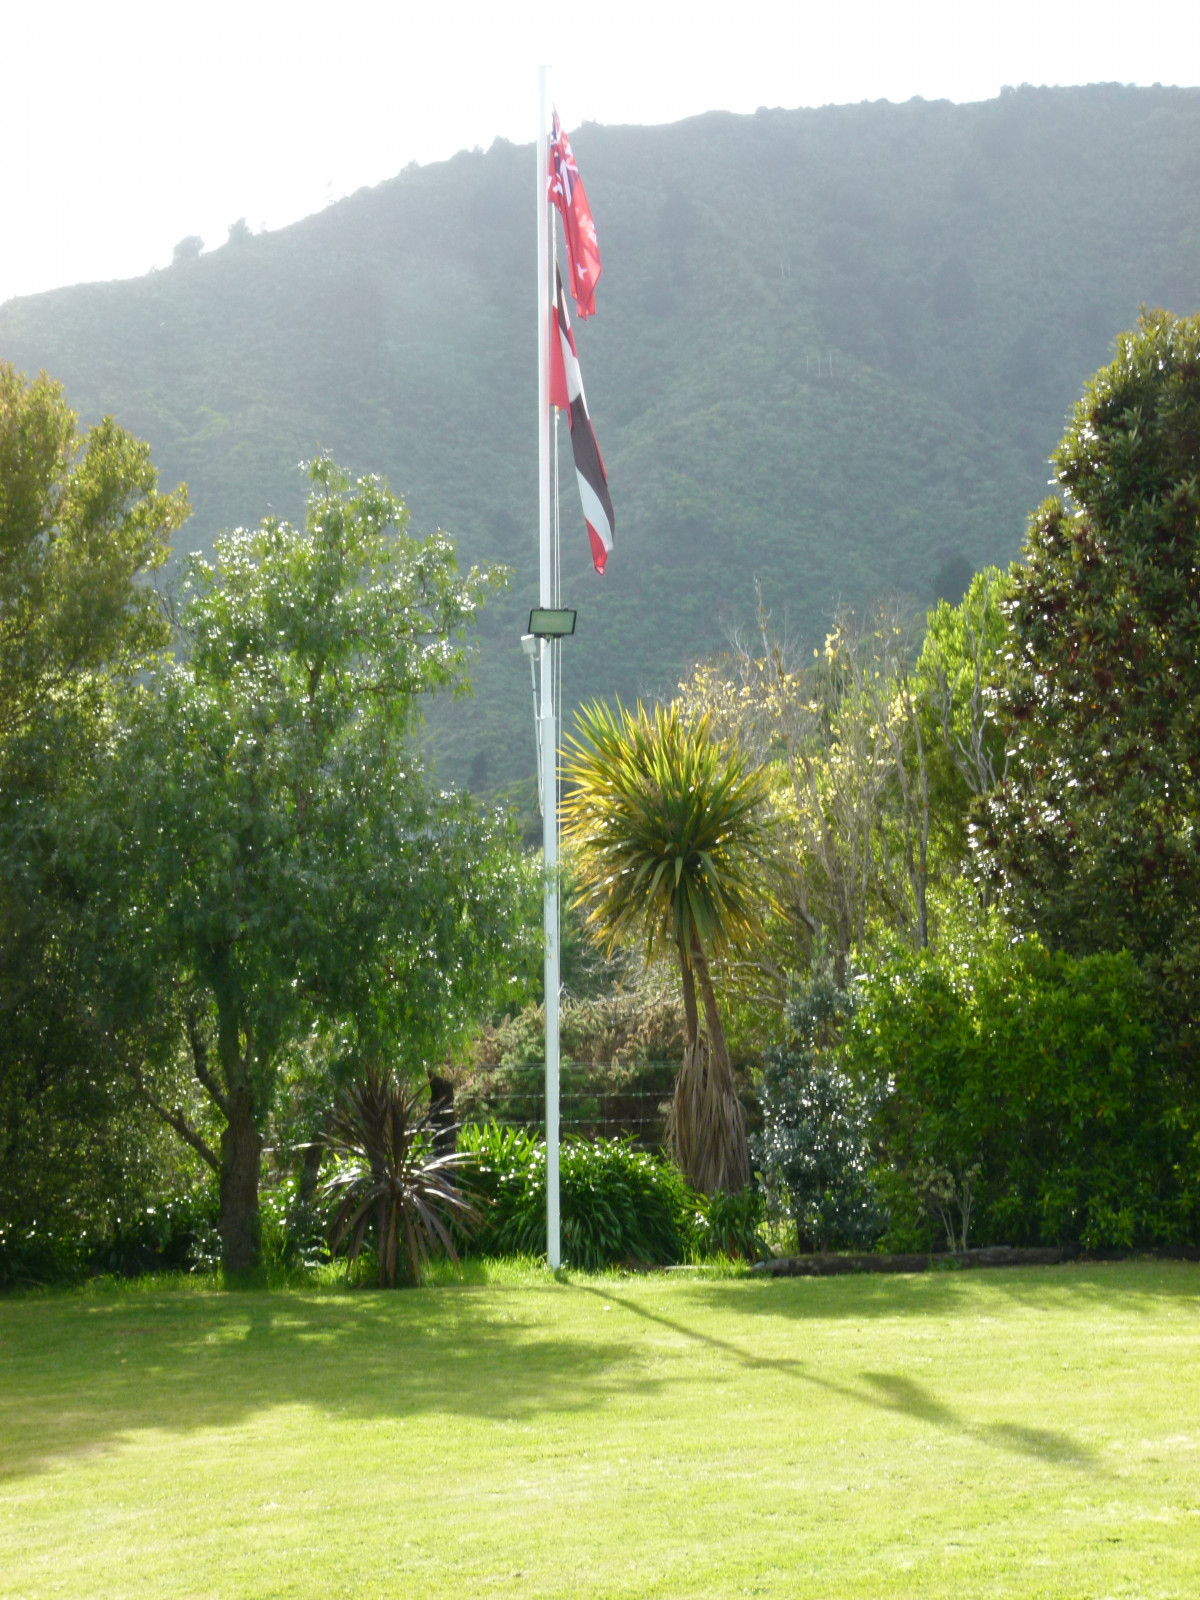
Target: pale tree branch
174 1118
199 1047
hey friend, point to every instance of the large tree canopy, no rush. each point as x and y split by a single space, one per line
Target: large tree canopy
81 524
1096 830
269 850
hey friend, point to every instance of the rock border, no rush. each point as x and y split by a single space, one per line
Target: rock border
997 1255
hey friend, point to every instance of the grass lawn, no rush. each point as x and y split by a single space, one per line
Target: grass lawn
963 1434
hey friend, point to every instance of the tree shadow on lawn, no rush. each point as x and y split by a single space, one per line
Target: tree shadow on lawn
80 1374
896 1393
885 1391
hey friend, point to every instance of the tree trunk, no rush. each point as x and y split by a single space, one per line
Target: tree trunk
706 1127
310 1170
441 1114
241 1153
691 1019
712 1017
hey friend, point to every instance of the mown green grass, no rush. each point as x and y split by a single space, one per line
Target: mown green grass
1027 1433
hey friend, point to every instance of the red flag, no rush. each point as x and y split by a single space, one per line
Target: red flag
566 392
568 194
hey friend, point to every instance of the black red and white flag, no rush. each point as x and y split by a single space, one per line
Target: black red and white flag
566 392
566 191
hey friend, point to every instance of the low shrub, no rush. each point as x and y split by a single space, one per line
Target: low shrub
729 1225
175 1235
618 1205
30 1255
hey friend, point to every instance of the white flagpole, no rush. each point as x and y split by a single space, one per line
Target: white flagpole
548 749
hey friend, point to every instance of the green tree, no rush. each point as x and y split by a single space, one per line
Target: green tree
847 738
80 520
955 685
667 830
1096 830
81 524
961 661
271 854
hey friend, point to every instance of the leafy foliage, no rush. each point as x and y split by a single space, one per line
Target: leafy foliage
1035 1080
962 661
814 1150
132 1236
81 527
80 519
1096 833
625 1027
390 1173
729 1225
617 1204
869 807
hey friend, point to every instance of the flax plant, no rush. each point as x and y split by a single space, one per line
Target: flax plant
391 1173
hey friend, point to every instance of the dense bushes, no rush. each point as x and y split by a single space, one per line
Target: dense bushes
84 1172
1029 1087
998 1094
617 1204
173 1234
176 1234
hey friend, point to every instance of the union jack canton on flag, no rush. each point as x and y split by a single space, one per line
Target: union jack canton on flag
566 191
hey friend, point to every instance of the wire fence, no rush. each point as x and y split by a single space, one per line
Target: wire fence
595 1101
614 1101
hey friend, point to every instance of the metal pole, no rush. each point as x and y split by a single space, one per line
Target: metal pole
547 720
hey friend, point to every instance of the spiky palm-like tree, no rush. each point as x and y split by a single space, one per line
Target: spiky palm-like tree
670 840
392 1173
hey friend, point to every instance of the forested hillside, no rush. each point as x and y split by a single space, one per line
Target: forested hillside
833 351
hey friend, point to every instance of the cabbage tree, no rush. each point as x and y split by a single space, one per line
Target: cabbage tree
668 831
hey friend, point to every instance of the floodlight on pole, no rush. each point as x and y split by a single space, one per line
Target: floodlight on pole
551 622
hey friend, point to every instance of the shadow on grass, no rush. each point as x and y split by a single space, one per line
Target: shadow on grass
884 1391
896 1393
81 1373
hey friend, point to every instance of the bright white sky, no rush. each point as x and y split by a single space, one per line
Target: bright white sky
127 124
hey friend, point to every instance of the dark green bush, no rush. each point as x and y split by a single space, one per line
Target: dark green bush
32 1255
174 1235
617 1204
1031 1082
729 1225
